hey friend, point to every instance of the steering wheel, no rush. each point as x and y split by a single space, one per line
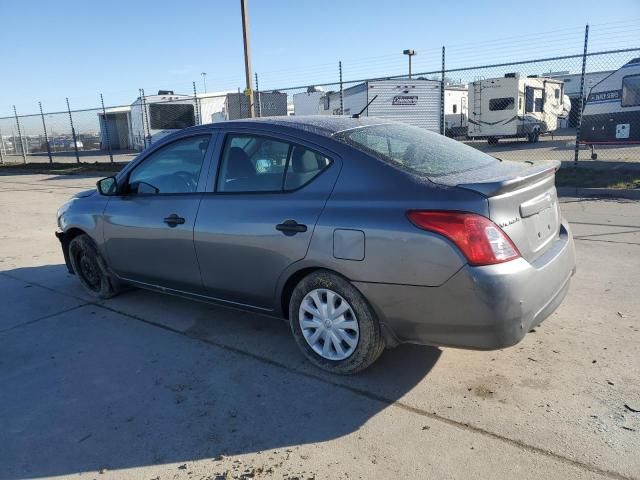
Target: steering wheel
189 181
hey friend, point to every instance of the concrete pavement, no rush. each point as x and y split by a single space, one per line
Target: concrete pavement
143 385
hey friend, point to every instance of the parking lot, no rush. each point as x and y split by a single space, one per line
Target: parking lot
146 386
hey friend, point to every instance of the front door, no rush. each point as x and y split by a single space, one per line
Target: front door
260 216
148 229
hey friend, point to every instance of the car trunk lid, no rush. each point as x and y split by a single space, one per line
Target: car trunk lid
522 200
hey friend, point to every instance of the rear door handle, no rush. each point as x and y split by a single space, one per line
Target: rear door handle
291 227
173 220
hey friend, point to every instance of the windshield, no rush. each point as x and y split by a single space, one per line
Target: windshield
415 149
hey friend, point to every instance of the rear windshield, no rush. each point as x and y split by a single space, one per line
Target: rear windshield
415 149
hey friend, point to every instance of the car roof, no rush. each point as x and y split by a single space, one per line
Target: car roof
324 125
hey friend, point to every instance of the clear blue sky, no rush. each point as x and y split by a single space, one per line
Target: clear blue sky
78 48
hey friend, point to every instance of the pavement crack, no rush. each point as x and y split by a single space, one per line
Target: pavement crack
45 317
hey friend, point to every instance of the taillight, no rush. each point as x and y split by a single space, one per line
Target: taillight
477 237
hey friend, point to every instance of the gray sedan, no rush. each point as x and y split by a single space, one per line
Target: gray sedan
362 234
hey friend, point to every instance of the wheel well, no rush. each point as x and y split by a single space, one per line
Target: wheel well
68 236
289 286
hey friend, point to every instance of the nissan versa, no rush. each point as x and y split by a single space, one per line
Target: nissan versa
362 233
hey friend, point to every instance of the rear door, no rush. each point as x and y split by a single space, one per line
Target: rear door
259 212
148 230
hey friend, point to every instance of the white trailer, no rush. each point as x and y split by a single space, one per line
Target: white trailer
515 107
612 112
157 116
412 101
455 110
308 103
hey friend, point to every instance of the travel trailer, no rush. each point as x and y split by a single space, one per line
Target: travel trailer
156 116
515 107
308 103
455 110
612 112
412 101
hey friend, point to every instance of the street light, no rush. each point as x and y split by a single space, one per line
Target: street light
204 81
410 53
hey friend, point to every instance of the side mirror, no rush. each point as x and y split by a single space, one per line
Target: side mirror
107 186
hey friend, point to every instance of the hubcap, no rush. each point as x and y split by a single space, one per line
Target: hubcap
328 324
89 271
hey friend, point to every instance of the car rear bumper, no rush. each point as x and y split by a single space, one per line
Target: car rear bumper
483 308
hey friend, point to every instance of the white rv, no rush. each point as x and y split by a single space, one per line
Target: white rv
412 101
515 107
455 110
612 112
308 103
159 115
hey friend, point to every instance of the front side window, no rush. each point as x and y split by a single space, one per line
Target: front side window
631 91
506 103
174 168
171 116
260 164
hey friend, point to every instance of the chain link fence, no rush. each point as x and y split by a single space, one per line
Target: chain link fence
579 109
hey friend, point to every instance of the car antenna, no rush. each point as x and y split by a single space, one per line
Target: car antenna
357 115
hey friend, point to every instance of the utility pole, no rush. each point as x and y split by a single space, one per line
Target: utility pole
410 53
247 58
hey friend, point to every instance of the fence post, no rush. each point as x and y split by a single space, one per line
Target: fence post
46 137
196 112
73 133
259 113
145 118
24 155
341 90
581 102
1 147
106 129
442 122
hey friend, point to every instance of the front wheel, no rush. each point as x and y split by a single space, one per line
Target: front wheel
333 324
91 269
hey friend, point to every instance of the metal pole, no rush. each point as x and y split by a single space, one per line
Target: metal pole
442 122
145 117
73 132
259 112
247 57
144 135
341 90
410 66
1 147
196 111
204 81
46 136
106 129
24 155
581 102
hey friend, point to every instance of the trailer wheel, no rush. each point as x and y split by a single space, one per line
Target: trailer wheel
492 140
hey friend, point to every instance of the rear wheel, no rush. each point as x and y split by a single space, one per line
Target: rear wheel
333 324
90 268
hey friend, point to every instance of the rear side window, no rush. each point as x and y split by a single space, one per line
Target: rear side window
415 149
506 103
260 164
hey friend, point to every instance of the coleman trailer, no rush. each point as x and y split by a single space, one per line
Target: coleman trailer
412 101
515 107
612 112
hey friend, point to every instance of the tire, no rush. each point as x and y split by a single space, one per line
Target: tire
91 269
368 343
492 140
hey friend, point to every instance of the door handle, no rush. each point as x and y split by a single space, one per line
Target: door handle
291 227
173 220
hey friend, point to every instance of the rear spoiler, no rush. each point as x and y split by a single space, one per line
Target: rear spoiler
498 186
